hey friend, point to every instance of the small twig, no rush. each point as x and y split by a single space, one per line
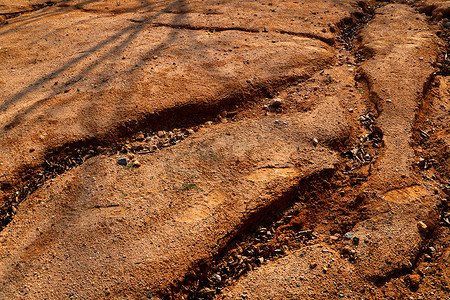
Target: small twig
106 206
424 134
144 152
137 21
304 232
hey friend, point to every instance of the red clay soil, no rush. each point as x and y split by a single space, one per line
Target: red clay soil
224 149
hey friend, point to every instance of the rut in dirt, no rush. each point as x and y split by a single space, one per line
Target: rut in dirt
276 231
138 137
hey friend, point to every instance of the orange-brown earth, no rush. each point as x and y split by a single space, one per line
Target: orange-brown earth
224 149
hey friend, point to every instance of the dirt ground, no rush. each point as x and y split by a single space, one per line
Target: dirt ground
224 149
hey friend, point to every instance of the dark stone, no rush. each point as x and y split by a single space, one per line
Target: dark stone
123 161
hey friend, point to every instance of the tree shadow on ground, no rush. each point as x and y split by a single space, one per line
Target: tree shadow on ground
131 32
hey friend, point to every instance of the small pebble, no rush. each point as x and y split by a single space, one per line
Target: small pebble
275 103
422 226
348 235
149 296
123 161
216 278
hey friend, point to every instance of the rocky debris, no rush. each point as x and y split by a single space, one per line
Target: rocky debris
391 63
265 244
435 148
383 247
294 277
149 142
363 155
140 144
176 198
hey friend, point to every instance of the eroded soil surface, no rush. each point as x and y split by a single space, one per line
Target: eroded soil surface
224 149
